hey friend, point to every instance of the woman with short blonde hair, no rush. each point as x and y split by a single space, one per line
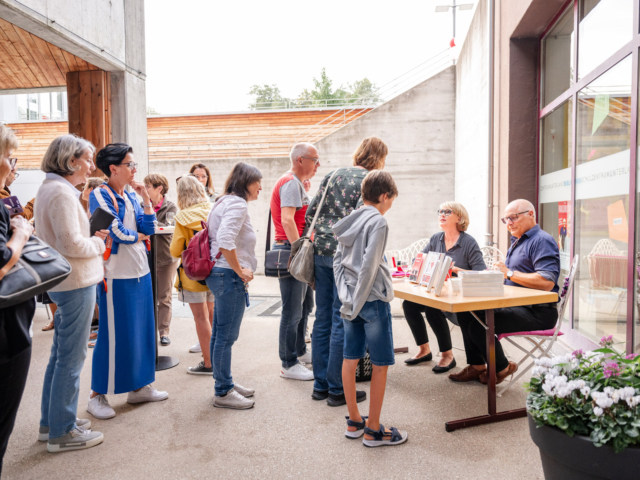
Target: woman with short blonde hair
194 209
465 252
370 154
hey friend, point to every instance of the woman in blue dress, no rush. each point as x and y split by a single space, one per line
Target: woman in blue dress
124 355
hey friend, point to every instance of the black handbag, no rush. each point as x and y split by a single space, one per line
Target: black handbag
276 262
39 269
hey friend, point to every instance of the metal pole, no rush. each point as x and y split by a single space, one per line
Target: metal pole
453 8
489 235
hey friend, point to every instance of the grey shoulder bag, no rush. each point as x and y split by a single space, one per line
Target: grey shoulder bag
301 262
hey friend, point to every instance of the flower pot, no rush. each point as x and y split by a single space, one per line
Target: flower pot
576 457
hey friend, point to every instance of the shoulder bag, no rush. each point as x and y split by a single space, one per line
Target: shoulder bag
39 269
276 262
302 264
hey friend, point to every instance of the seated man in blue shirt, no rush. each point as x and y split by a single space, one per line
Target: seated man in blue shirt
533 261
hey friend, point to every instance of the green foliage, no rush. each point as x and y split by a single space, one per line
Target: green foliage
593 394
322 94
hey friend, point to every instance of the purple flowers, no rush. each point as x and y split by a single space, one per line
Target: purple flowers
606 341
631 356
611 369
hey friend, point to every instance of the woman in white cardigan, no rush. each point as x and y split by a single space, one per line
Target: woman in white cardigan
62 223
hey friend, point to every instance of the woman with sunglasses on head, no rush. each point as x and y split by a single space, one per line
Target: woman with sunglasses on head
124 355
466 255
202 173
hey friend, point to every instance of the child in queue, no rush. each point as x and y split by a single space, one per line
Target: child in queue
365 290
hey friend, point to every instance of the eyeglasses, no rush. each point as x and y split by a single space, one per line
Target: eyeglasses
13 162
131 165
16 175
513 218
315 161
446 213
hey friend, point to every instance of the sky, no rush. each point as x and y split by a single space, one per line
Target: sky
205 55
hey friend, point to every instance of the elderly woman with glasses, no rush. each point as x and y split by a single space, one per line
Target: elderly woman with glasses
465 252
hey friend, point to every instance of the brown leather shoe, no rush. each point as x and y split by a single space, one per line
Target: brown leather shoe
511 369
468 374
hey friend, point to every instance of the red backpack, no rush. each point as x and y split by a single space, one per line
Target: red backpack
196 259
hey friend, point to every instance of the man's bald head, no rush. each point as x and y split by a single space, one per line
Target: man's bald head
521 217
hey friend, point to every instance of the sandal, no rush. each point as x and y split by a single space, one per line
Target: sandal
382 438
48 326
359 425
92 344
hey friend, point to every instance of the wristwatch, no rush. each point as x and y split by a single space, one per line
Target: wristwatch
147 206
509 274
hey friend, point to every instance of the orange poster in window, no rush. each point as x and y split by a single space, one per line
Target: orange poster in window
617 221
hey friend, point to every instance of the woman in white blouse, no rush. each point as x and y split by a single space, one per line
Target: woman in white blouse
63 224
233 243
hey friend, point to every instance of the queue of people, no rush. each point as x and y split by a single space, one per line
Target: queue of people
352 283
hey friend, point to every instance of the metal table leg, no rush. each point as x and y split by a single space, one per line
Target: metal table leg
493 415
162 362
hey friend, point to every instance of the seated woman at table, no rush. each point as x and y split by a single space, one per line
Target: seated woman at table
466 255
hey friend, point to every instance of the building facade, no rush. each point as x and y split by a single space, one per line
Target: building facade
565 138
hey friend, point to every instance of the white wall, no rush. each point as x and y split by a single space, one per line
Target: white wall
472 135
26 185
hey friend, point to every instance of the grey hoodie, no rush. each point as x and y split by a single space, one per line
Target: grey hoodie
358 266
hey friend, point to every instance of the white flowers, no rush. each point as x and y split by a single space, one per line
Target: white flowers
610 396
597 411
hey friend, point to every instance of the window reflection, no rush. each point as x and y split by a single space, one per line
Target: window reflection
605 26
602 203
557 49
556 133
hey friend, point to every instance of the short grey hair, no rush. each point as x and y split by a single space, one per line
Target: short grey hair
62 151
300 150
525 205
190 192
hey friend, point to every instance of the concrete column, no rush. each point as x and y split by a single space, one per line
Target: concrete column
129 116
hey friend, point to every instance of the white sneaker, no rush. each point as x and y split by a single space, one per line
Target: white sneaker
99 407
245 392
43 433
195 348
77 439
233 400
297 372
146 394
306 358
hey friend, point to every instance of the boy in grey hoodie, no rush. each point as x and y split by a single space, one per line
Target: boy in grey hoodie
364 286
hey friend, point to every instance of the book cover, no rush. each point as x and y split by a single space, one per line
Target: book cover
430 267
445 264
418 267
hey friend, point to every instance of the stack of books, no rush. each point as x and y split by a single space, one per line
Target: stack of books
487 283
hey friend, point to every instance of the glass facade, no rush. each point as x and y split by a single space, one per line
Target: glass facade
42 106
585 162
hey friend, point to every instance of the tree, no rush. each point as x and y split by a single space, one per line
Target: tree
267 96
364 89
152 111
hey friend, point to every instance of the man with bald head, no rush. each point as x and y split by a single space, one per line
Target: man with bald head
533 261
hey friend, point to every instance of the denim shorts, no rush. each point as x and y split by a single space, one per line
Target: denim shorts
372 329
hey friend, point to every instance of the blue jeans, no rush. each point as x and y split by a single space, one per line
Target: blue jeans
62 377
328 331
370 330
228 290
292 325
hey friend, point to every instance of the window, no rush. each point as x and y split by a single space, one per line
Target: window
557 50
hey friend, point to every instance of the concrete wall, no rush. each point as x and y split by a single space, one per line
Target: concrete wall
418 127
272 169
472 124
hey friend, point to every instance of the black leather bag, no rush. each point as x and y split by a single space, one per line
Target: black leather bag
39 269
276 262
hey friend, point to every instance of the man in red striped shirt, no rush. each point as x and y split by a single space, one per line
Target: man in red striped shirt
289 203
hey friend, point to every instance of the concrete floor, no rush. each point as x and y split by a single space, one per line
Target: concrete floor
287 434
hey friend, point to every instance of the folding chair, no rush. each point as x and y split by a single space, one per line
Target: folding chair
542 340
